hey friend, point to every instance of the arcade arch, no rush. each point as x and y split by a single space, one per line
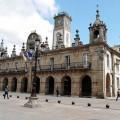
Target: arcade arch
86 86
66 85
50 85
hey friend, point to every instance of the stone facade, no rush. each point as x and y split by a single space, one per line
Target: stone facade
80 70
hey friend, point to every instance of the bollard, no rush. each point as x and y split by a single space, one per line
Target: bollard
26 98
88 104
10 95
46 100
73 103
107 106
18 97
59 101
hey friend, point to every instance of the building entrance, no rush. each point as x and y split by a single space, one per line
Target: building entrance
50 86
24 84
14 85
108 85
66 86
86 86
37 85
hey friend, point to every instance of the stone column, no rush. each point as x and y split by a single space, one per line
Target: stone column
18 85
42 85
1 84
57 85
75 85
10 84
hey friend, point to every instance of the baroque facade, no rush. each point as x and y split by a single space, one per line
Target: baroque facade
74 69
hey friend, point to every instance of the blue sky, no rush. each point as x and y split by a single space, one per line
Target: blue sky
84 11
18 18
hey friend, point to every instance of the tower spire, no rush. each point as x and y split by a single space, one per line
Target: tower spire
97 11
97 30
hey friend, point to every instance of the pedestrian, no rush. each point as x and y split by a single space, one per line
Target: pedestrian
6 92
57 92
118 94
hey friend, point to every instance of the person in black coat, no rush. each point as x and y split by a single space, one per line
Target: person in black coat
57 92
118 94
6 92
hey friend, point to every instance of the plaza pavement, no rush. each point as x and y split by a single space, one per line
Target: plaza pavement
13 108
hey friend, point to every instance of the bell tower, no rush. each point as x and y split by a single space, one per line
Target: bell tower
62 31
98 30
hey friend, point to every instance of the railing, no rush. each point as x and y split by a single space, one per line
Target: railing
13 70
56 67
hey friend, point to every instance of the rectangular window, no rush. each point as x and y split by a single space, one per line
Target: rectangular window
7 67
108 60
67 61
117 66
118 82
85 60
52 63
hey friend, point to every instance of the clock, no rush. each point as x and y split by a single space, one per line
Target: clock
59 21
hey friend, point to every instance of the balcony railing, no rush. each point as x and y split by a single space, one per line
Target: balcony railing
64 66
13 70
55 67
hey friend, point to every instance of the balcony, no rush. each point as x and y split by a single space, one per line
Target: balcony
64 66
45 68
19 70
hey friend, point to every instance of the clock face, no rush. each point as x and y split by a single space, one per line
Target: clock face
59 21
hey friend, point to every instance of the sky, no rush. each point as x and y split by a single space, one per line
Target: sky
18 18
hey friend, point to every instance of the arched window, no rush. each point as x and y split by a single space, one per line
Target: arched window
96 34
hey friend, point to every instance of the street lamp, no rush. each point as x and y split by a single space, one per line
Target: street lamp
33 92
33 99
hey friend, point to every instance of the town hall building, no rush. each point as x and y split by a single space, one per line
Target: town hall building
75 69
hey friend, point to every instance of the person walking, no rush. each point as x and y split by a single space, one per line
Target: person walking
118 94
6 92
57 92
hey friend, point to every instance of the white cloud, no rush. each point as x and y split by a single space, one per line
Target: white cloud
19 17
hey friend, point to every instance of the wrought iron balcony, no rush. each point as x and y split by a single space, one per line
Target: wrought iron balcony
64 66
55 67
13 70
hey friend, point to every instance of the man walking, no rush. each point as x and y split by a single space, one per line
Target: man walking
118 94
57 92
6 92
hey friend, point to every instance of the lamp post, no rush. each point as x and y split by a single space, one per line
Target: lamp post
33 92
33 99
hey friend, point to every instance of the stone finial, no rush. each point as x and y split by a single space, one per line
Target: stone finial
23 47
77 38
46 41
46 38
77 34
14 49
2 43
90 24
97 11
6 49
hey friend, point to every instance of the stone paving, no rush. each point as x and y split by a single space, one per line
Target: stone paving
13 108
